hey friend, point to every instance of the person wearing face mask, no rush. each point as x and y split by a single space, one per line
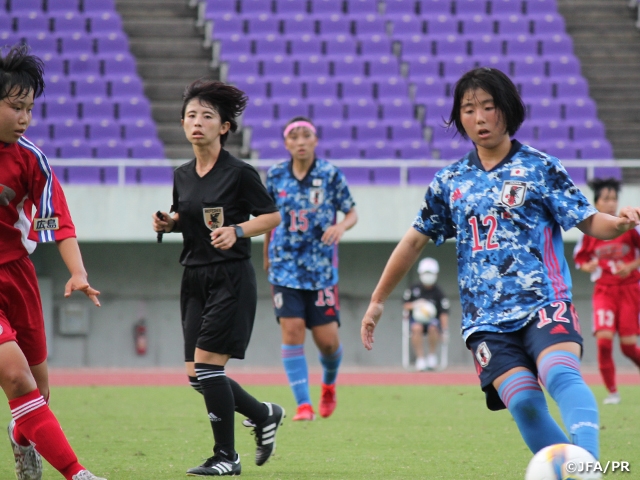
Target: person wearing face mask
301 258
427 309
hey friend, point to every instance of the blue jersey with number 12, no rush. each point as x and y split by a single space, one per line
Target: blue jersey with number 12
507 225
298 257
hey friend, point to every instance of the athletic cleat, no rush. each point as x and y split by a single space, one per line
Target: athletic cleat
327 400
217 466
421 364
612 399
28 461
305 413
432 362
86 475
266 433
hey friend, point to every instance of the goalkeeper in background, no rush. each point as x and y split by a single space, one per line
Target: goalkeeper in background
427 309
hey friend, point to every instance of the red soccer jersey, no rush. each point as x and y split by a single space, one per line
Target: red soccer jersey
27 181
610 253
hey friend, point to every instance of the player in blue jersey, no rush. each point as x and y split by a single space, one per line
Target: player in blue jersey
505 203
301 256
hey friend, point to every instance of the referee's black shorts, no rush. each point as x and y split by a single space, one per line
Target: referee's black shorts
218 307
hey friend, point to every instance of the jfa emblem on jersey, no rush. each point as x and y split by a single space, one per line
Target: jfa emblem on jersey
277 300
513 193
213 217
483 354
40 224
316 196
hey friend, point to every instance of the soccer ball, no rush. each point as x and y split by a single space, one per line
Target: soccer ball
423 311
562 462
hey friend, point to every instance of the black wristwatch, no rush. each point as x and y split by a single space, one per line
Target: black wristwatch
239 231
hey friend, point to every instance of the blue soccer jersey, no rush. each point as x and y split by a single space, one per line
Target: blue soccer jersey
308 207
507 225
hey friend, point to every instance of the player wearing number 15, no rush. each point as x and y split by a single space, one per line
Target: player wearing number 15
505 203
301 256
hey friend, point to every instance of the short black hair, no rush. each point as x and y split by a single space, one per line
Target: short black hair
227 100
22 71
505 97
599 184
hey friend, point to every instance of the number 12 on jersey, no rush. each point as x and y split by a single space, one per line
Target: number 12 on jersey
489 221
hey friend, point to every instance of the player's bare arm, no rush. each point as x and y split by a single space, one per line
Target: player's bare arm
605 226
334 233
225 237
590 266
624 269
70 253
167 225
265 251
403 257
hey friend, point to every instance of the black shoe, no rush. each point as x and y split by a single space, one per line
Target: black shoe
216 466
266 433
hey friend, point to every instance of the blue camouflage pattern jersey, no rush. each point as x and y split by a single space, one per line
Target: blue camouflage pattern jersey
507 226
308 207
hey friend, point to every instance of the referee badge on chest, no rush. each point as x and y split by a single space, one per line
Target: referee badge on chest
213 217
513 193
316 196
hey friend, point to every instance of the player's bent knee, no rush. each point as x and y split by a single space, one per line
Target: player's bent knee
16 382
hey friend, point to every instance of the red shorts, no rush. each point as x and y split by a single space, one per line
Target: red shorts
21 318
616 308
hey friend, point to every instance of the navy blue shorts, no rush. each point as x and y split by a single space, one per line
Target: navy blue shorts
425 326
317 307
497 353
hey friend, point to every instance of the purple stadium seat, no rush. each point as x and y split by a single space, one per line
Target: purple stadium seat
415 150
227 24
125 86
453 68
83 65
299 24
435 7
341 45
423 67
135 107
409 130
344 150
556 45
416 46
68 131
361 109
284 7
137 129
55 6
574 86
588 130
429 87
375 45
327 110
580 109
421 175
478 24
335 131
252 86
362 7
32 23
61 107
357 87
608 171
266 132
471 7
348 66
449 45
104 130
110 149
512 24
292 108
270 45
529 66
39 129
526 133
562 149
485 45
392 87
440 134
537 7
111 43
452 150
69 22
327 7
42 44
334 25
273 149
547 25
242 66
354 175
380 150
553 131
397 109
147 149
521 45
314 66
304 45
26 6
278 66
90 86
262 24
258 110
544 109
150 175
120 64
370 131
235 45
495 61
104 21
438 109
286 87
98 6
97 108
57 85
442 25
86 175
535 87
400 7
563 66
76 43
249 7
382 67
75 149
321 87
385 175
506 7
405 25
577 174
369 25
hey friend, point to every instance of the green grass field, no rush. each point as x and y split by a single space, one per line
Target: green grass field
382 432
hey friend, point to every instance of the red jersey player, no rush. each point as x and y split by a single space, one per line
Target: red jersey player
27 183
613 265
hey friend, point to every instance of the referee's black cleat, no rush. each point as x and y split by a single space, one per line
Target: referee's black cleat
266 433
216 466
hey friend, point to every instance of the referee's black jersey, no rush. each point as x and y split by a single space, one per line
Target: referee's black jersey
226 195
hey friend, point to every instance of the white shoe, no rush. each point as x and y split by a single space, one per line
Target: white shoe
28 461
432 362
421 364
612 399
86 475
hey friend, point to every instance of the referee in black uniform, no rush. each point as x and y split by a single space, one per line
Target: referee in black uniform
213 196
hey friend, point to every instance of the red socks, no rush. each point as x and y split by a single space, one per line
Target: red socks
37 423
605 362
632 352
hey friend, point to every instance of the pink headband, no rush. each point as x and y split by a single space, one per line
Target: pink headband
294 125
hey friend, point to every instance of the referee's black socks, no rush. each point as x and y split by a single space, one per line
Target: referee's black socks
247 405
